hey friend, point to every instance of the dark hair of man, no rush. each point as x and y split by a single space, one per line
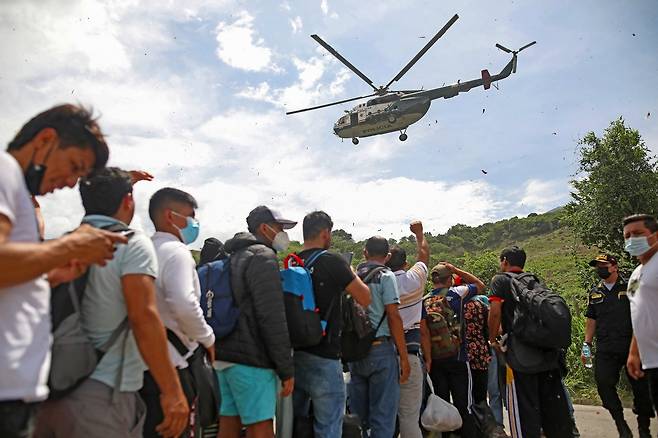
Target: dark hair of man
315 222
441 280
398 258
377 246
514 255
104 189
163 198
75 126
649 221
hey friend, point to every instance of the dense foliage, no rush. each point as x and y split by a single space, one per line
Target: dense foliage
616 177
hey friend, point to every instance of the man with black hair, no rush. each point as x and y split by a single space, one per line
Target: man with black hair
411 281
258 350
374 388
50 151
173 213
318 370
609 319
641 241
120 294
535 395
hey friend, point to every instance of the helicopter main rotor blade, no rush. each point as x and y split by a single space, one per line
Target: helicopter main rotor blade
431 42
503 48
343 60
527 45
330 104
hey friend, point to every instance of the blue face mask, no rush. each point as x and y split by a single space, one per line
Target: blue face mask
191 231
636 246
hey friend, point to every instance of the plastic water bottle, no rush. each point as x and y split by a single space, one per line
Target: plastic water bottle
587 354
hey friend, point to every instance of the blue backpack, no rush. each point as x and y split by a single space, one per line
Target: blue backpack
306 327
217 302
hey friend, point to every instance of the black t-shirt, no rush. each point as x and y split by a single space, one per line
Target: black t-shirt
520 357
331 274
501 290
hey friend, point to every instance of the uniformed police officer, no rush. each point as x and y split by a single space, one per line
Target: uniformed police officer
609 318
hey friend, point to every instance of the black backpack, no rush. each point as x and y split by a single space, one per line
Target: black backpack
73 356
358 333
542 318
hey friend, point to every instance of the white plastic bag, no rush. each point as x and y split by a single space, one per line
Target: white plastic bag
439 415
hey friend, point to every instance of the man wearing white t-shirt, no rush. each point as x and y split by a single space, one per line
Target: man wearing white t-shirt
172 212
641 241
411 285
51 151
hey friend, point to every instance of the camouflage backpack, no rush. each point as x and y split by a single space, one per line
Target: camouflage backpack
444 326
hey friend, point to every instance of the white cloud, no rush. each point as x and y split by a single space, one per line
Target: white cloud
239 47
540 196
296 24
324 6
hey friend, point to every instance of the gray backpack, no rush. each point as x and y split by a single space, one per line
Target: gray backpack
73 357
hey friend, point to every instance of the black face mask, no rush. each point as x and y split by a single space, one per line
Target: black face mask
603 273
34 174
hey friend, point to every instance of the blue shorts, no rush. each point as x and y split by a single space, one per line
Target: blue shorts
247 392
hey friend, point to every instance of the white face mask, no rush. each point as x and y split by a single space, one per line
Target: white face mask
281 241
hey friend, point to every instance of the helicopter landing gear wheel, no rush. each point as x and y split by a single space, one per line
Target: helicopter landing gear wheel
403 137
391 119
355 140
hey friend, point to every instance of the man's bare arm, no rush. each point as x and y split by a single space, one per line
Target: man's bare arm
397 333
495 316
23 261
360 291
139 295
422 247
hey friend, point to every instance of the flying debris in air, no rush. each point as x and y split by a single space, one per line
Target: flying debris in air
484 171
483 110
648 115
555 133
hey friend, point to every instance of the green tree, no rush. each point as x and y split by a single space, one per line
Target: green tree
616 177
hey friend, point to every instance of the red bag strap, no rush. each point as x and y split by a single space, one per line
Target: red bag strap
298 260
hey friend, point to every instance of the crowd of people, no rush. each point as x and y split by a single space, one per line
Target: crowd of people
135 300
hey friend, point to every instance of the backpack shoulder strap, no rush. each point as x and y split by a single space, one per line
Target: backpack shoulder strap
313 258
114 336
176 342
373 272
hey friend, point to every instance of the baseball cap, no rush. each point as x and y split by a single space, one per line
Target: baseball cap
266 215
603 258
440 271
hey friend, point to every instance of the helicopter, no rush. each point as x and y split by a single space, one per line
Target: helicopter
390 111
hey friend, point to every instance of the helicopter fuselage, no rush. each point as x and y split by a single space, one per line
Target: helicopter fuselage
388 113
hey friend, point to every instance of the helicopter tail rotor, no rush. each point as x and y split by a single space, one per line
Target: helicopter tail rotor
514 53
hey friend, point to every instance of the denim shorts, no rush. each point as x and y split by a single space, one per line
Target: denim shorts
247 392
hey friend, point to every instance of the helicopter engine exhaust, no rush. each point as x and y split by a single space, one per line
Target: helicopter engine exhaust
486 79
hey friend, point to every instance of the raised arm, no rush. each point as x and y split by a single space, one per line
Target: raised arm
422 247
467 277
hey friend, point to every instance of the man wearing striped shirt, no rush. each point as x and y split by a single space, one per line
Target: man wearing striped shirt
411 285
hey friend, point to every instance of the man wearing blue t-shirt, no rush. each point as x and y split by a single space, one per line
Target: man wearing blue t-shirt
374 388
452 376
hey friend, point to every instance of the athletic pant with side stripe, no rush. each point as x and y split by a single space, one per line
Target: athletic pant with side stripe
452 380
537 402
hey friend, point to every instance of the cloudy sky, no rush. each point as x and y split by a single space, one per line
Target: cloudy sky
196 92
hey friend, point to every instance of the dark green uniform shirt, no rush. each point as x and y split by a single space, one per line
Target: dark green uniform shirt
612 312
